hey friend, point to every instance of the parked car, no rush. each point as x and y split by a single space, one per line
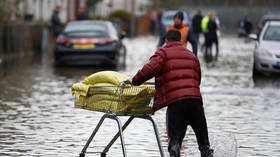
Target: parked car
267 49
266 18
168 18
89 43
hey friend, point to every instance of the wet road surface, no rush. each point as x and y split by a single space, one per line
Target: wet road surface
38 118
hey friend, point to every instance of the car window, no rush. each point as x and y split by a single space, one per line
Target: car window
113 31
169 17
272 33
86 30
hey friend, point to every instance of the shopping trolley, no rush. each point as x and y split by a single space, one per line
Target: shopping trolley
114 101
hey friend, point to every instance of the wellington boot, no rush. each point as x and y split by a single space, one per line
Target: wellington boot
174 150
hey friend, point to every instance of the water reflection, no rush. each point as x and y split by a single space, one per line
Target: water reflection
267 81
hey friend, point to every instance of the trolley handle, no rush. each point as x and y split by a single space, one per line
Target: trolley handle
149 83
128 83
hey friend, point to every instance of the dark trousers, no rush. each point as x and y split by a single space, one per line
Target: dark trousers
182 113
208 49
196 35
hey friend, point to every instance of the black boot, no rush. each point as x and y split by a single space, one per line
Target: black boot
205 151
174 150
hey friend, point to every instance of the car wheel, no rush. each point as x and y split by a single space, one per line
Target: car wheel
116 60
255 71
56 59
123 56
56 62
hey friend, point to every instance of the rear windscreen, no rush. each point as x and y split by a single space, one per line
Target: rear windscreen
86 30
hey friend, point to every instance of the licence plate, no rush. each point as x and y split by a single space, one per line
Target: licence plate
83 46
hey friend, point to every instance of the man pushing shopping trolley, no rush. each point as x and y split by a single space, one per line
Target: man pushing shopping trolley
177 81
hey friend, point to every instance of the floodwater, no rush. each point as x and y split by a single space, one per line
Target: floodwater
38 118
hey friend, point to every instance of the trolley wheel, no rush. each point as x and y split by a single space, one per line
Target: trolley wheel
82 154
103 154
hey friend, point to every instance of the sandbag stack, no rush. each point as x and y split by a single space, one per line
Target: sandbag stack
104 92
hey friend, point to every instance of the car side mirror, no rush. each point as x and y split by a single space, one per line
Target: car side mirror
122 35
253 37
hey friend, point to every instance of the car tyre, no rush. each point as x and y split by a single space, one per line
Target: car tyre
255 71
57 62
124 57
120 59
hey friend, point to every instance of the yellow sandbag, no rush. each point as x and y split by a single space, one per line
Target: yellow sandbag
84 89
120 90
112 106
80 88
142 110
106 88
112 77
138 101
135 102
100 102
138 98
138 90
103 78
101 92
132 96
103 84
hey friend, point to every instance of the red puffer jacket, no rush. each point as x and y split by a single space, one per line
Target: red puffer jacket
177 75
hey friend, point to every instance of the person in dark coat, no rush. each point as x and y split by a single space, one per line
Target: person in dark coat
212 38
248 26
57 25
177 79
83 14
196 25
160 25
245 27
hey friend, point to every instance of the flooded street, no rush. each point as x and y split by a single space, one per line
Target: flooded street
38 117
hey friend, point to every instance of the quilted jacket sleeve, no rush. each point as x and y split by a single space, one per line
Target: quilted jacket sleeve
152 69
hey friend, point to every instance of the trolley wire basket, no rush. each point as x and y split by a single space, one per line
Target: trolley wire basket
119 100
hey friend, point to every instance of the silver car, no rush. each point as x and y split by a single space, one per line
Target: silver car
267 49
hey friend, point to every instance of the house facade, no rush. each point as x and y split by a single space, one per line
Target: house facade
139 7
41 10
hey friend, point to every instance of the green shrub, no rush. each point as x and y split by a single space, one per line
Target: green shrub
2 13
120 14
99 17
122 18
